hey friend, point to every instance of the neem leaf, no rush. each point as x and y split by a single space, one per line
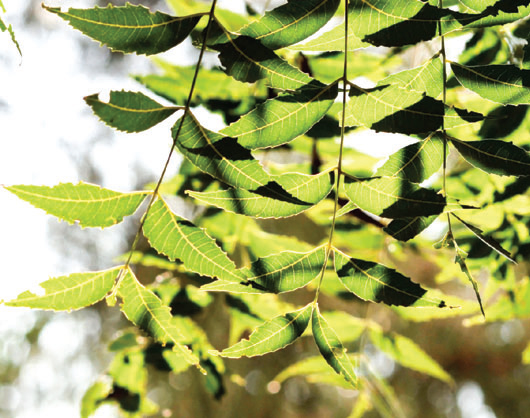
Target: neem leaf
178 238
460 259
416 162
283 118
130 28
407 228
67 293
291 22
376 283
331 347
504 84
285 195
129 111
220 156
145 310
393 197
495 156
85 203
272 336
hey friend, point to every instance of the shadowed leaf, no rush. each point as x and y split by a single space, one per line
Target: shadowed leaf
407 228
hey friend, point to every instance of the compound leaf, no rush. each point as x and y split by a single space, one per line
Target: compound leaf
88 204
130 28
129 111
404 229
67 293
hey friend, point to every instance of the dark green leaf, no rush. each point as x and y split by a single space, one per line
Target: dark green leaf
407 228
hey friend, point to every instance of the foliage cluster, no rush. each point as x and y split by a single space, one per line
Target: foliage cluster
281 204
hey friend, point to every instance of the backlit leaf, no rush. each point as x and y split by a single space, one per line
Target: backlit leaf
495 156
145 310
272 336
331 348
220 156
85 203
504 84
291 22
67 293
178 238
283 118
393 197
460 259
130 28
425 78
233 287
129 111
407 228
285 195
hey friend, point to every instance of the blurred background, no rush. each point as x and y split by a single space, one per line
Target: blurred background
47 361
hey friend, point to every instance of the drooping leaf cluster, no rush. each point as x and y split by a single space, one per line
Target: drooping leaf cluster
291 105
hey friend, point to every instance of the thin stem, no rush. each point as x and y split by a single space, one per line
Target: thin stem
173 144
339 165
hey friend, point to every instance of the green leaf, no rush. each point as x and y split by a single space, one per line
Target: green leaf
285 195
94 398
331 348
67 293
272 336
286 271
88 204
220 156
130 28
145 310
460 259
425 78
407 228
283 118
246 59
494 156
376 283
416 162
504 84
9 29
229 19
407 353
392 197
291 22
178 238
129 111
232 287
332 40
490 242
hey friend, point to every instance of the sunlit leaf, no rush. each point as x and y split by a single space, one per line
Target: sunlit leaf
88 204
331 348
495 156
460 259
285 195
283 118
178 238
94 398
291 22
407 228
273 335
9 29
425 78
228 18
67 293
393 197
145 310
376 283
130 28
129 111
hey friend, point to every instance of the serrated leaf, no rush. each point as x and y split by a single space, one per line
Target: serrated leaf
129 111
393 197
9 29
407 228
331 347
88 204
285 195
130 28
490 242
229 19
272 336
416 162
376 283
178 238
220 156
494 156
407 353
145 310
286 271
232 287
67 293
246 59
282 119
425 78
504 84
291 23
391 108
